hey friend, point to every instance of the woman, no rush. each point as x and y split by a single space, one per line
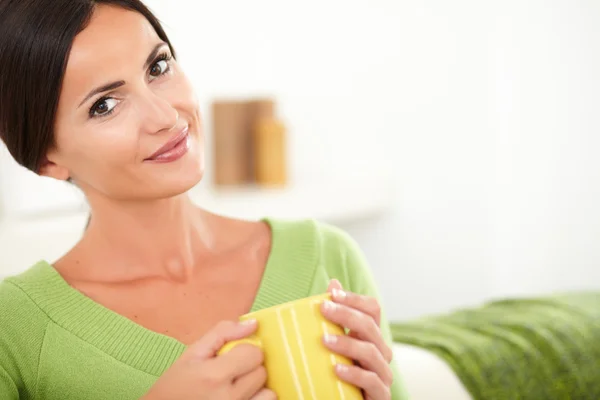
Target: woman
90 92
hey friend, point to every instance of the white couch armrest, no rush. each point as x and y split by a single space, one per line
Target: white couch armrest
426 376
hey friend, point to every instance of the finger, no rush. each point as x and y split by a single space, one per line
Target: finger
264 394
250 384
240 360
365 304
365 353
362 326
215 339
368 381
334 284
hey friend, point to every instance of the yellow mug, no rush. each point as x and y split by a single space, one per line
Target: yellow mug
299 366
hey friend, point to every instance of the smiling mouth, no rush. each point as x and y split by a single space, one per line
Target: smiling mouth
173 149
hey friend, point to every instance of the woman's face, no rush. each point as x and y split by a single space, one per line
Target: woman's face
123 100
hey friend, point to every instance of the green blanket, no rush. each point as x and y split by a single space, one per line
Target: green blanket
527 349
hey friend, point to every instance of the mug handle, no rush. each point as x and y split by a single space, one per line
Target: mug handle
253 340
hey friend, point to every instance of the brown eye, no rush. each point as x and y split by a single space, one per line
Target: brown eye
159 68
103 107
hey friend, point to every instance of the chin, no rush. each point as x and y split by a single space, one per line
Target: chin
181 175
154 182
184 180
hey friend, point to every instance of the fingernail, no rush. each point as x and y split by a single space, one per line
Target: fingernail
341 368
331 339
338 294
329 305
248 322
337 282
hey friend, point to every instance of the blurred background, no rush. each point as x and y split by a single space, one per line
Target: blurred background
455 141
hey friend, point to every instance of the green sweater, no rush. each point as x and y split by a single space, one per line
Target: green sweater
58 344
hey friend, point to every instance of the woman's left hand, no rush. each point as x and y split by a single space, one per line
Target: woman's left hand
364 344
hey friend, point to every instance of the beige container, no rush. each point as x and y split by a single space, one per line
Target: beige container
235 140
261 108
232 143
270 161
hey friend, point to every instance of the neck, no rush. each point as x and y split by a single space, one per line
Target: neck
162 238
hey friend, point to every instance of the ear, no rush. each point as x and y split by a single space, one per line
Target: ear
52 169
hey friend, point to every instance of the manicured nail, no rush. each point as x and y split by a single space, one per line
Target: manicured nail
329 305
248 322
336 282
338 294
341 368
330 339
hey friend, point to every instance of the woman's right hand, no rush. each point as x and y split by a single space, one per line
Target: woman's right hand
200 374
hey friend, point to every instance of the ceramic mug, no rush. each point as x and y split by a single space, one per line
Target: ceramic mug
299 366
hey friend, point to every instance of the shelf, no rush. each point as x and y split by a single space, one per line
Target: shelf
330 203
26 239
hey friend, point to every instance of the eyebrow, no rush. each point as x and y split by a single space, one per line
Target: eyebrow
118 84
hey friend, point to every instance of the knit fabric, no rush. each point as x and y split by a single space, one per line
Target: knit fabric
58 344
522 349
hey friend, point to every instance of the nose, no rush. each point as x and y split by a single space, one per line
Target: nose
158 115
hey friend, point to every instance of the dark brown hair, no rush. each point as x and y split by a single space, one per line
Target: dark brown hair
35 41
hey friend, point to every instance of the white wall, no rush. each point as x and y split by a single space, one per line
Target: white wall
435 250
484 111
548 186
496 137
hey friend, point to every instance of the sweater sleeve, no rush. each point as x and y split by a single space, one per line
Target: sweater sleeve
22 329
357 277
8 388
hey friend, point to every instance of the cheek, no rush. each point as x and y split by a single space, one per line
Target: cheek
103 149
118 146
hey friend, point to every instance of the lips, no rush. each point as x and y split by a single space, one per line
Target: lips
173 143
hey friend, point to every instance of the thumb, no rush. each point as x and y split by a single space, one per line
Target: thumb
226 331
264 394
334 284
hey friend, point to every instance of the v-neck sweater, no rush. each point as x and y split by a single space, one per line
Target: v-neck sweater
56 343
